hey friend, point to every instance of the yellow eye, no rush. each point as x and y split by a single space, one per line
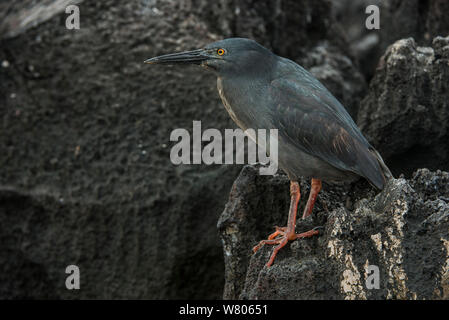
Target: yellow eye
220 52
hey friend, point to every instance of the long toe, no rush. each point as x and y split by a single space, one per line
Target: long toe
263 242
282 243
281 238
310 233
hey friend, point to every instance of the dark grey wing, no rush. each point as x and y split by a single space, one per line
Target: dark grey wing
315 122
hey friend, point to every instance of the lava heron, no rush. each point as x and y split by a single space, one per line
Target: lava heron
317 138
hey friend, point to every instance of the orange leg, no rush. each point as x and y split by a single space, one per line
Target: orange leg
315 188
282 235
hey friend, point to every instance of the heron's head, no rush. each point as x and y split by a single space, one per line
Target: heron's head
225 57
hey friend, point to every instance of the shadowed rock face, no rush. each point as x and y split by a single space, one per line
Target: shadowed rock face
422 20
404 231
405 114
86 176
19 16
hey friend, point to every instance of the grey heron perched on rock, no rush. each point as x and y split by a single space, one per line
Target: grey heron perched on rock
317 138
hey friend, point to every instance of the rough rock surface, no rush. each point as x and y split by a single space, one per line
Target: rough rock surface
85 156
406 112
403 230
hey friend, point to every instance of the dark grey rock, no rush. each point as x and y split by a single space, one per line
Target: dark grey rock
365 45
422 20
403 230
85 122
16 17
399 19
405 114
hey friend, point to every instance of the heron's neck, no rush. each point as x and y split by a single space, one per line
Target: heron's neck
241 98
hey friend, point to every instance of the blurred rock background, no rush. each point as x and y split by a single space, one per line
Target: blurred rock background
85 176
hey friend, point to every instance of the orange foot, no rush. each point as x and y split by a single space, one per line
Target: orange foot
280 237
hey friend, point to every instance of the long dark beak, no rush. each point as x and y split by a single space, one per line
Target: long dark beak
187 57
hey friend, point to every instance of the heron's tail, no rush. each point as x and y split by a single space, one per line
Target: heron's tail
385 172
